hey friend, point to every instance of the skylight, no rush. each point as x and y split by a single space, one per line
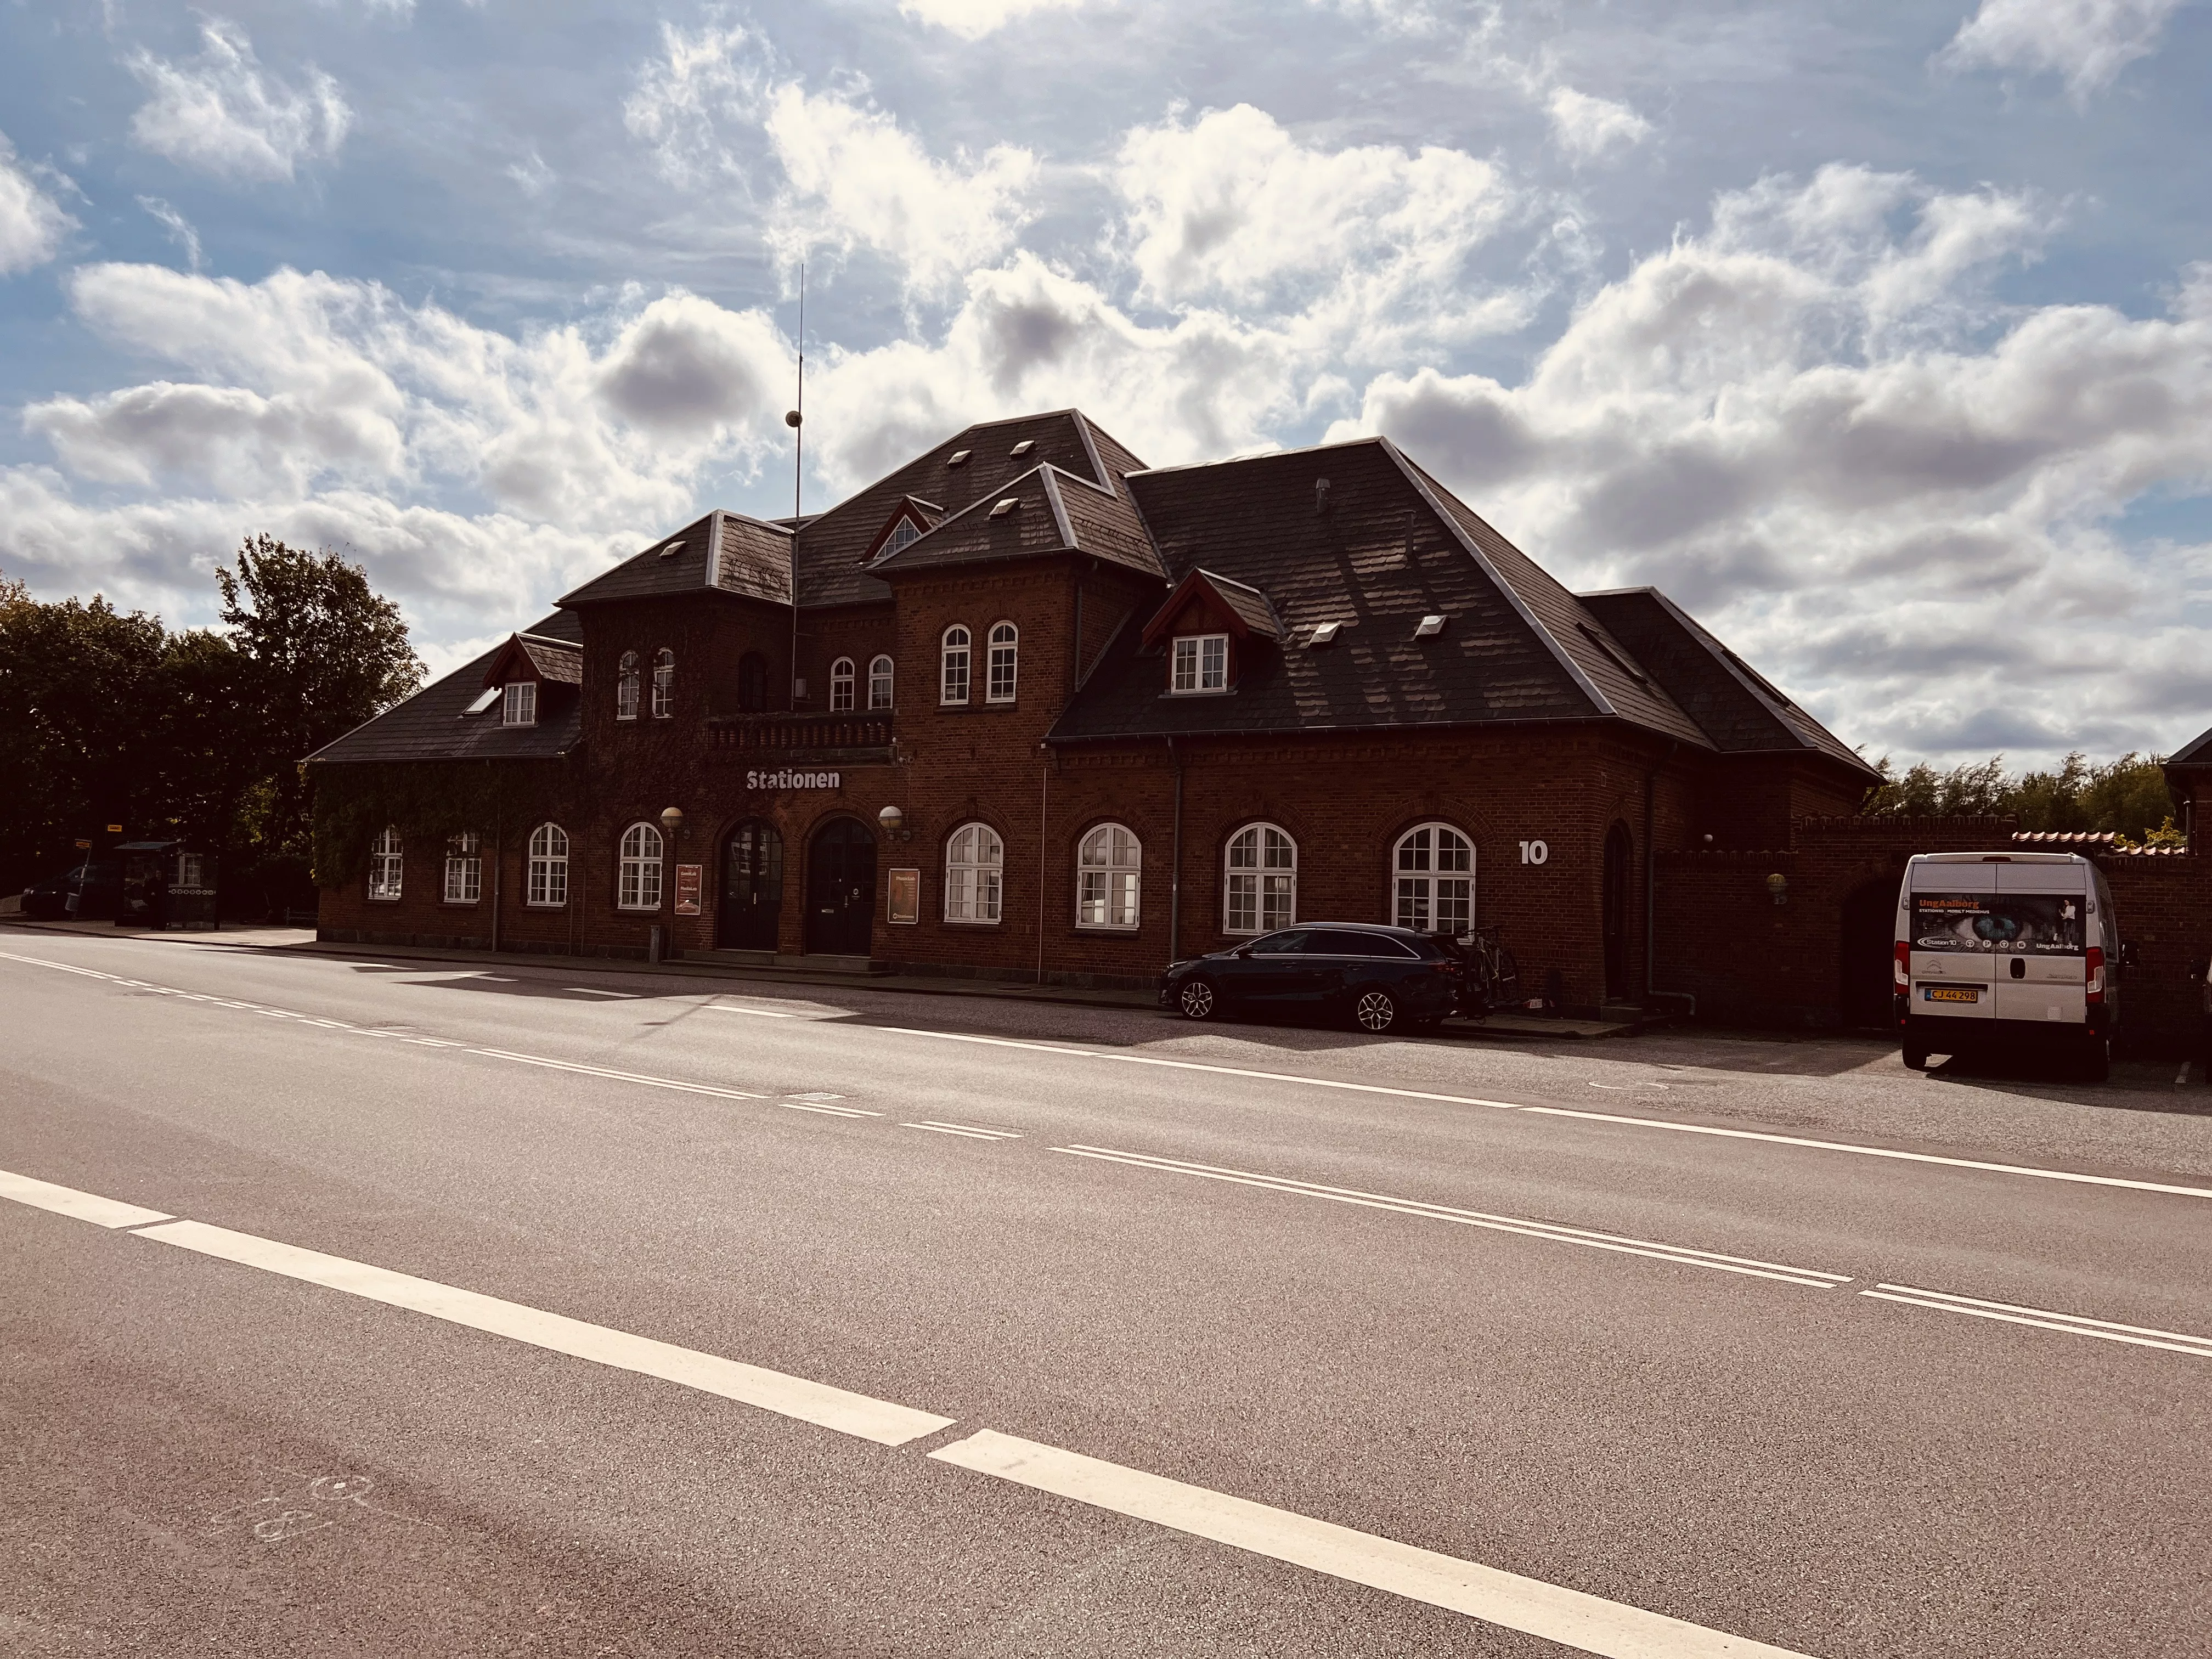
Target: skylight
672 549
958 458
1023 447
1005 505
485 701
1429 626
1323 633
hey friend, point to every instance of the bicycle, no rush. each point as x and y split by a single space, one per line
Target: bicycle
1493 978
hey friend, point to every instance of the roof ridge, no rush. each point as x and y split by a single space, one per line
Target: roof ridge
1262 455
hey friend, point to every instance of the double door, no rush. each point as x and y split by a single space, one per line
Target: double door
841 889
752 888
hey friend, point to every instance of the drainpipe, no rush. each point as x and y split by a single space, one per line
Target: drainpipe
1044 798
1175 870
498 858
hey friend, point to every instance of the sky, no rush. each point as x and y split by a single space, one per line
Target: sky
1877 335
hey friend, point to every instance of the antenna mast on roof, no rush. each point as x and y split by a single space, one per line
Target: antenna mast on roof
796 420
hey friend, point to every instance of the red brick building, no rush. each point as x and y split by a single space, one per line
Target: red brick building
1027 709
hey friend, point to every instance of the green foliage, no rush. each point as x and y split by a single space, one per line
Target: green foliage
426 802
2127 795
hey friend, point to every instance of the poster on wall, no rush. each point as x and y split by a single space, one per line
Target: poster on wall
688 883
906 896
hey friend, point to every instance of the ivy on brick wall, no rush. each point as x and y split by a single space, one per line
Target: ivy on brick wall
427 802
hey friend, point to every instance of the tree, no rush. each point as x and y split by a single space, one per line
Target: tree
319 652
2127 795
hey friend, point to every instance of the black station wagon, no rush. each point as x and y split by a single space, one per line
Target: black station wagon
1379 979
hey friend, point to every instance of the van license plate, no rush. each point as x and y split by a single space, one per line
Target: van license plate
1951 993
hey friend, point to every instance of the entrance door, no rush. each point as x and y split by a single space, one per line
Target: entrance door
752 888
840 889
1614 911
1869 935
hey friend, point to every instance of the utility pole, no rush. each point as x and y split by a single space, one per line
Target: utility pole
796 420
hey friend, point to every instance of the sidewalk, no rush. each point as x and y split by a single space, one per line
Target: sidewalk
301 941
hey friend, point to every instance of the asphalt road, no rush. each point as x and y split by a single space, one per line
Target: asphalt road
1679 1325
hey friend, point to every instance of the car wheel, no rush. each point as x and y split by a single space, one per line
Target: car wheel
2097 1060
1916 1059
1374 1011
1197 1000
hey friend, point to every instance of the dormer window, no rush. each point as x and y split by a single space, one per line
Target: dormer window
518 707
904 534
1200 664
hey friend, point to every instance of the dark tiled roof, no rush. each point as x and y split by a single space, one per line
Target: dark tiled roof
1051 510
560 661
431 726
1247 604
2197 752
1732 704
1391 547
831 544
748 556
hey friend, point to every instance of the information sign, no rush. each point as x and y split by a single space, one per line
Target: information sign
689 879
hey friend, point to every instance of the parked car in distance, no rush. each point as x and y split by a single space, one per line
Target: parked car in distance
93 891
1376 979
2012 952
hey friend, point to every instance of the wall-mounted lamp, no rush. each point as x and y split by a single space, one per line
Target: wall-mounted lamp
894 823
672 824
1778 885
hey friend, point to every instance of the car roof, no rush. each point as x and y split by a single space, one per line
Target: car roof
1382 928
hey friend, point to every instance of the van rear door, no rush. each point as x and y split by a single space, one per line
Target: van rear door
2044 921
1950 928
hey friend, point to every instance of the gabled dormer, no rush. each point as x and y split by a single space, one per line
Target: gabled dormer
910 520
527 677
1207 631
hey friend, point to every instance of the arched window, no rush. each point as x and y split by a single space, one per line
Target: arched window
463 868
1109 865
626 688
841 685
637 886
548 884
1432 880
384 864
752 683
974 870
1262 891
879 682
954 686
1005 647
664 685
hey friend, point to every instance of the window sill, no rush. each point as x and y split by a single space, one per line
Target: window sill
1126 930
968 922
1191 696
384 898
458 904
527 905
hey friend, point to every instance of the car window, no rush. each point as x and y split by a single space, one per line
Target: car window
1287 943
1343 942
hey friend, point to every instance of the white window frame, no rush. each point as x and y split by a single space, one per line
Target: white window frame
387 866
1258 880
881 671
546 885
1196 668
626 688
637 869
1109 864
664 685
955 658
463 868
1430 885
975 875
1003 652
518 704
904 534
840 686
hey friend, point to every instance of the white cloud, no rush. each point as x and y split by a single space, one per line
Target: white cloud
32 226
681 100
1801 425
333 410
2088 42
180 228
1588 127
972 19
1370 245
222 115
859 179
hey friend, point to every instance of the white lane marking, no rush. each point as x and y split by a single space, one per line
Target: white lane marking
963 1129
618 1076
880 1420
758 1013
1769 1136
2013 1313
1811 1278
593 991
1554 1612
827 1111
67 1200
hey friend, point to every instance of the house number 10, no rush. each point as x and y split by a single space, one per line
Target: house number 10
1534 852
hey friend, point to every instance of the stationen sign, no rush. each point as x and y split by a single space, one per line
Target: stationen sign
794 781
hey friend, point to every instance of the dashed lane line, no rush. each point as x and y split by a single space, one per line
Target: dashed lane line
967 1129
1809 1278
1770 1137
1590 1624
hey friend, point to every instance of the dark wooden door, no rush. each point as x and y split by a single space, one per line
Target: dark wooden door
752 888
1618 887
840 889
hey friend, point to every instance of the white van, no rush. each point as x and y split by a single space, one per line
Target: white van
2007 950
